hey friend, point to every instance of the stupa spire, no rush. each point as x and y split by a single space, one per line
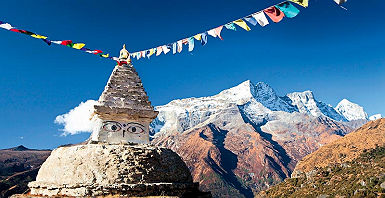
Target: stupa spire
124 109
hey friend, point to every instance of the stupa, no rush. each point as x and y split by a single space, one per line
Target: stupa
118 160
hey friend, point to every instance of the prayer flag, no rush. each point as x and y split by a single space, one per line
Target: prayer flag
198 37
22 31
174 48
147 53
56 42
185 41
274 13
38 36
180 46
212 33
151 52
242 24
138 55
143 53
6 26
67 43
304 3
251 20
261 18
204 38
159 50
78 45
288 9
231 26
190 44
218 31
97 51
105 55
165 49
340 2
47 41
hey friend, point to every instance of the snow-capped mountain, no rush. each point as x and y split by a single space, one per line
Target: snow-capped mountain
247 132
306 103
351 111
259 99
375 117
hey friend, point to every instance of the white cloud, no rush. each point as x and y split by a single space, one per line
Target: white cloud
78 120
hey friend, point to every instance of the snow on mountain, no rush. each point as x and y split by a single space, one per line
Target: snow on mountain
375 117
306 103
259 102
351 111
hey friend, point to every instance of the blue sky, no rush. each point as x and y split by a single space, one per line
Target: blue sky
336 53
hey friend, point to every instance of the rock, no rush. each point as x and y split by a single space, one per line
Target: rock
382 185
123 170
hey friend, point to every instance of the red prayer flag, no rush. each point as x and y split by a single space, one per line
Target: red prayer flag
67 43
274 13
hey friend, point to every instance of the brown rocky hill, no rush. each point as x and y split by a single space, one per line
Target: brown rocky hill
18 166
345 149
233 157
352 166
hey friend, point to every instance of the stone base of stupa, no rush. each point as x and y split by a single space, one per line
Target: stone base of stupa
94 170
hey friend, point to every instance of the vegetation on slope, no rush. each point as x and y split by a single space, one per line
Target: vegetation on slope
362 177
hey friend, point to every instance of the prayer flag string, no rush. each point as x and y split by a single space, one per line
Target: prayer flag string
276 13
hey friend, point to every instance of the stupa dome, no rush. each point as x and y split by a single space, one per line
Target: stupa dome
99 170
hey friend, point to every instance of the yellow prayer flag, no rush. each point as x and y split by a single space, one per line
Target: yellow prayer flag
78 45
151 52
38 36
198 37
304 3
105 55
242 24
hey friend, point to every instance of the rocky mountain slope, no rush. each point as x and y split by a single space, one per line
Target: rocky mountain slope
345 149
247 138
18 166
352 166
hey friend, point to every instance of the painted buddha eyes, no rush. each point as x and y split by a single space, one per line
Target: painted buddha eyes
112 126
135 128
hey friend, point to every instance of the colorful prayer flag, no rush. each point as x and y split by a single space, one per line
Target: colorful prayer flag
212 33
47 41
165 49
67 43
6 26
180 46
159 50
242 24
230 26
261 18
78 45
198 37
39 36
251 20
218 31
204 38
190 44
304 3
288 9
274 13
105 55
174 48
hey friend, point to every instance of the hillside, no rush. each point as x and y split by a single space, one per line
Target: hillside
352 166
362 177
345 149
18 166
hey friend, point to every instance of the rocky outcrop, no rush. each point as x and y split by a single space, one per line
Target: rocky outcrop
123 170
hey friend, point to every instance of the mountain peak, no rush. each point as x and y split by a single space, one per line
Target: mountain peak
19 148
240 93
351 111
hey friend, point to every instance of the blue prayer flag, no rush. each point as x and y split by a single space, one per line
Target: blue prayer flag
230 26
251 20
204 38
288 9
